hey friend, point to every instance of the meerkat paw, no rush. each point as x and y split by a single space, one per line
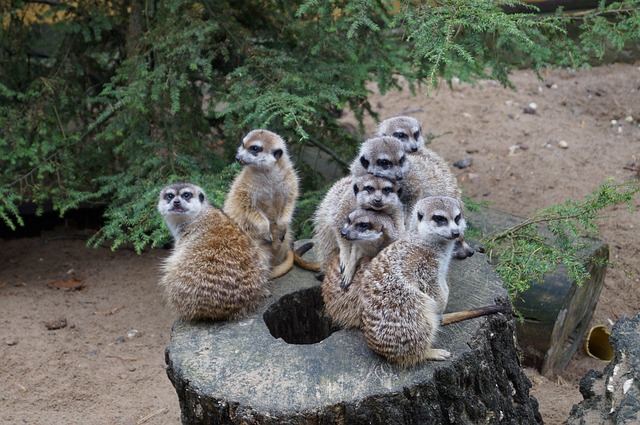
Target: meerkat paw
347 276
437 354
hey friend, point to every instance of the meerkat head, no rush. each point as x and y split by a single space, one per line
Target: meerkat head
438 217
365 225
405 129
376 193
382 157
180 204
261 148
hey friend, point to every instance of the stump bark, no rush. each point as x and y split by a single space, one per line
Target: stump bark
287 364
613 395
556 313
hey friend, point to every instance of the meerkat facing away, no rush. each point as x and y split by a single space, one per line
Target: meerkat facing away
364 191
179 205
428 173
369 232
215 271
263 196
404 288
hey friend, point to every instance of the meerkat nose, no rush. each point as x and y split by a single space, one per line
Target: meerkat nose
343 233
414 149
455 234
398 176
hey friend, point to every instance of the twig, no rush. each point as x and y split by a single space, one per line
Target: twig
151 415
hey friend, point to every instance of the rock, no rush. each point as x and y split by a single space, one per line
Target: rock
613 395
563 144
463 163
134 333
53 325
286 364
532 108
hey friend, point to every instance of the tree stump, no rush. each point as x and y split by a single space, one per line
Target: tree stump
613 396
287 364
556 313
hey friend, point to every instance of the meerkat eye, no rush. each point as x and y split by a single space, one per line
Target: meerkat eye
369 189
169 196
400 135
363 226
439 219
401 162
186 196
416 135
255 149
384 163
387 190
457 219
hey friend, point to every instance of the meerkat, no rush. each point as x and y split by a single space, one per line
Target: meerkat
263 196
369 231
428 173
215 271
352 192
404 288
381 156
179 205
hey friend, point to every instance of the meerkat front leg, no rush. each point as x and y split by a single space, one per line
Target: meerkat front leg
348 261
436 354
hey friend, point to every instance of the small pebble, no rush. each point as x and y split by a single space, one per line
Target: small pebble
53 325
614 122
532 108
619 130
463 163
628 119
119 340
563 144
134 333
11 342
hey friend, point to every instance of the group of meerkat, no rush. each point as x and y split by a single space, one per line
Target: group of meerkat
223 258
385 236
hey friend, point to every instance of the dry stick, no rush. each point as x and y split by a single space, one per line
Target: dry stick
459 316
151 415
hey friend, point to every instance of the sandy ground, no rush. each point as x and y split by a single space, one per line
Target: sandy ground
94 354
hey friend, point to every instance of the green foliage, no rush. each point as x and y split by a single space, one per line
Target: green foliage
524 253
106 102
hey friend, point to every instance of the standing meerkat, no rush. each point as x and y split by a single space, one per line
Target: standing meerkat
428 173
215 271
263 196
179 205
404 288
369 232
364 191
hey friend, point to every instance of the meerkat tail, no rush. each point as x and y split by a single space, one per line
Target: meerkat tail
283 268
302 262
460 316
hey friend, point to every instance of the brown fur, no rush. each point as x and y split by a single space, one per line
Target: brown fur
404 288
342 199
215 271
343 305
262 197
428 173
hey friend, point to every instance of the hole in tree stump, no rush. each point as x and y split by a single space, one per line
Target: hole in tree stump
299 318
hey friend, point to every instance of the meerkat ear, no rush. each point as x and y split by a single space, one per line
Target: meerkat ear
277 153
355 189
420 216
201 197
364 162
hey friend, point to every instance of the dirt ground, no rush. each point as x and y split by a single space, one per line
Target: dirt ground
94 354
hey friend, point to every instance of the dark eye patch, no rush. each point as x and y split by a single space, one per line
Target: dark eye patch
416 135
255 149
384 163
363 226
369 189
400 135
439 219
169 196
457 219
186 196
